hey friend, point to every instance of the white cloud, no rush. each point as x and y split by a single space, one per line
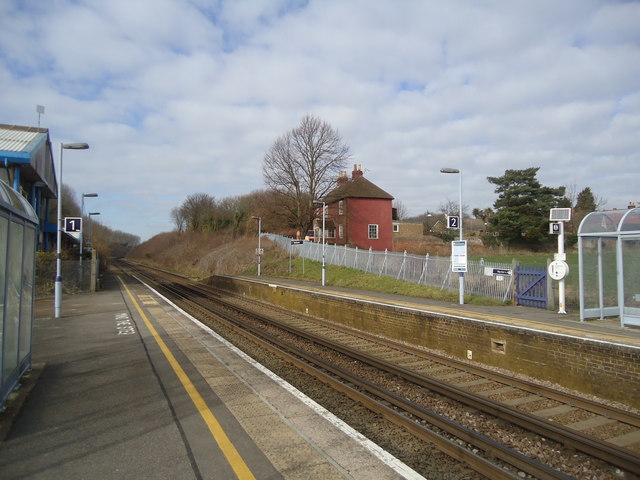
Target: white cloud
177 96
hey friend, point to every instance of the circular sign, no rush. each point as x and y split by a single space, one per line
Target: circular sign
558 269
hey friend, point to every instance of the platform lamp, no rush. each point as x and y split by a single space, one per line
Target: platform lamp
58 281
84 195
324 209
461 274
259 245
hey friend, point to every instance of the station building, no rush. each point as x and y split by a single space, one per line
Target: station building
27 161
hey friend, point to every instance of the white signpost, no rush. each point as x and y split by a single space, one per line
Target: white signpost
558 269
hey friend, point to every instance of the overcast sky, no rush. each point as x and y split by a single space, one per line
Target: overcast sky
177 97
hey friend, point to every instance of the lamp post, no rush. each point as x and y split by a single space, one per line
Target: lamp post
94 270
91 214
84 195
58 281
461 274
259 245
324 210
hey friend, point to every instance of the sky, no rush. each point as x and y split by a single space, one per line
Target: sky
177 97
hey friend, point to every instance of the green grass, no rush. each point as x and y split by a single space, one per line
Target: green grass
274 265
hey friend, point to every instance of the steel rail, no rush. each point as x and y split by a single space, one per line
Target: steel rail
559 433
486 444
306 361
562 397
611 412
590 445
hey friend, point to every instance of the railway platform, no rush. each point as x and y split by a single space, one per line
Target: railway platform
536 319
125 385
597 357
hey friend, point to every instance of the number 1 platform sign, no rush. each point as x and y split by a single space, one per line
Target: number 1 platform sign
73 226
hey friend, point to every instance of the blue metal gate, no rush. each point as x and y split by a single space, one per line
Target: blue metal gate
531 286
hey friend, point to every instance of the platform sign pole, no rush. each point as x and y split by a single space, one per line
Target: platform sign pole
459 264
561 293
558 269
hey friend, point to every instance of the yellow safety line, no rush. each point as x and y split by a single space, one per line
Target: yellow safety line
231 454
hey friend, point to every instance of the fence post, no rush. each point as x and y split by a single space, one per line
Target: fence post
424 269
401 269
446 277
514 266
384 264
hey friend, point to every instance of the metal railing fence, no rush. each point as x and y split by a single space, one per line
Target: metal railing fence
420 269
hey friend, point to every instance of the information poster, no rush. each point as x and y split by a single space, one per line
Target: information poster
459 256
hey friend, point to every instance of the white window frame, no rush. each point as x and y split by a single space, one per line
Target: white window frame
373 229
341 231
340 207
396 228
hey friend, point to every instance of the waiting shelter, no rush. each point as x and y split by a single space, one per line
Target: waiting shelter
609 265
27 158
18 230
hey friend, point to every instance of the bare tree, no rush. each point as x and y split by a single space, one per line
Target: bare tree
302 165
177 215
197 211
451 207
401 209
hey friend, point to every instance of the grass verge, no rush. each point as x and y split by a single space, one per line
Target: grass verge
276 264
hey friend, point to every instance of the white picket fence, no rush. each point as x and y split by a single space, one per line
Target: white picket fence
480 278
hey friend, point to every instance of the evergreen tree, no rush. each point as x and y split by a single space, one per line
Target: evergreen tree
586 201
522 208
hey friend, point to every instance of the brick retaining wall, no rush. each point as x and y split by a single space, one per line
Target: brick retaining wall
602 369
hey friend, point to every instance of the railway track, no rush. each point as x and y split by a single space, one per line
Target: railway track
567 419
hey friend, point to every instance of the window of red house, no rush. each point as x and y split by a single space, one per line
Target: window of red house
373 232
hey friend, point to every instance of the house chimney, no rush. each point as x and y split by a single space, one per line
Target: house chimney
357 172
342 178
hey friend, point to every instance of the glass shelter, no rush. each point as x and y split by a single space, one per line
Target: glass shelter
609 265
18 223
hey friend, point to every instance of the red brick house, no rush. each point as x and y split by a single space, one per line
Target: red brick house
358 214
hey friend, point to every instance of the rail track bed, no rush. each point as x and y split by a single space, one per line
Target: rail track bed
420 405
